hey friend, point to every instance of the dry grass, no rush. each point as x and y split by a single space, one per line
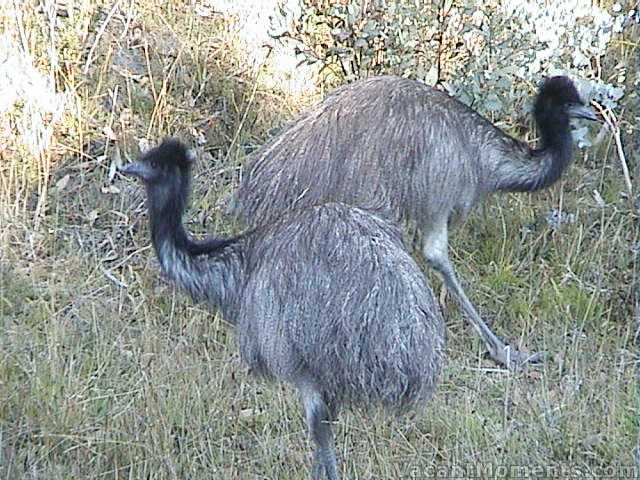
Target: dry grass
107 372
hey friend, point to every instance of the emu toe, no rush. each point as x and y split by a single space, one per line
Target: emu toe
514 359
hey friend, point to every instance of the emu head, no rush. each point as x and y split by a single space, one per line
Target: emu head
558 99
166 173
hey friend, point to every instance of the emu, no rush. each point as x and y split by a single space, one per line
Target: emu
422 155
326 298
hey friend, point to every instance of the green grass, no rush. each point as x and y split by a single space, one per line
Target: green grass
107 372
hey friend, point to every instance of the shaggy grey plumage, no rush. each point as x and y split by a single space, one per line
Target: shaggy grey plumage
422 155
325 298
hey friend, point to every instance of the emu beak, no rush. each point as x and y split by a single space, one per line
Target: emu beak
577 110
137 169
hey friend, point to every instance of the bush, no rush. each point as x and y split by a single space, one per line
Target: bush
487 54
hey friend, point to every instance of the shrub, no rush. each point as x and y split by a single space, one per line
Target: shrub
487 54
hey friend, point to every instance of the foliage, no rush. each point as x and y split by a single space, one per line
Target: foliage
106 372
484 53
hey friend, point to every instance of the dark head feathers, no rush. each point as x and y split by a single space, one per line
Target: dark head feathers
162 163
559 90
557 98
170 152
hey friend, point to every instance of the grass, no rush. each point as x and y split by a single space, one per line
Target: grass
108 372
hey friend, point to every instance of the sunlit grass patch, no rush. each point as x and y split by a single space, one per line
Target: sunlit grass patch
107 371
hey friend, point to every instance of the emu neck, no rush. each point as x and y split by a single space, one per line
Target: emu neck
165 216
207 270
522 169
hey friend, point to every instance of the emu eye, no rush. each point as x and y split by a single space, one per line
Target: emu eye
154 163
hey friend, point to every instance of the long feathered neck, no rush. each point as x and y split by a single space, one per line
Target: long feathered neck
207 270
166 208
522 169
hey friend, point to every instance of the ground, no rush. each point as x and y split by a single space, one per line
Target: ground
106 371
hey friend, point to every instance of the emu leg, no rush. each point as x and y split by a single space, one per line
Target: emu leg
435 249
318 419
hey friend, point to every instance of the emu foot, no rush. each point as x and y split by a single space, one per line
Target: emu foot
325 466
324 472
512 358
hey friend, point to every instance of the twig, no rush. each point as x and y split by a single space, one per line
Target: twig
236 134
103 27
487 370
111 277
612 122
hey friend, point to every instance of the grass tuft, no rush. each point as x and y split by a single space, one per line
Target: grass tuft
106 372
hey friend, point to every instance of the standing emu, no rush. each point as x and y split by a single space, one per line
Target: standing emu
422 155
326 299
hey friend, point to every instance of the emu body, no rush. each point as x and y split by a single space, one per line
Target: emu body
420 155
326 299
